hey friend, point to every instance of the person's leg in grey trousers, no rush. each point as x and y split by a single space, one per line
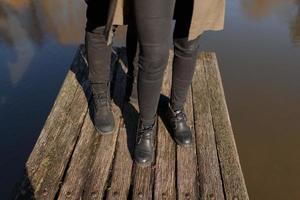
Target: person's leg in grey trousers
153 22
99 58
98 53
153 25
185 54
132 50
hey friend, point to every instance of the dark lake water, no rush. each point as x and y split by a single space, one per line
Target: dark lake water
259 57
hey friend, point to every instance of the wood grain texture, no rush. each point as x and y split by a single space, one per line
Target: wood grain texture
143 182
99 175
99 171
58 114
120 181
210 182
121 172
44 168
187 179
71 160
72 186
165 179
232 176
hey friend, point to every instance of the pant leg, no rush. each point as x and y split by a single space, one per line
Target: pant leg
185 55
153 23
132 50
98 53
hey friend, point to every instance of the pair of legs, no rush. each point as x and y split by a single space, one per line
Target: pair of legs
150 26
153 22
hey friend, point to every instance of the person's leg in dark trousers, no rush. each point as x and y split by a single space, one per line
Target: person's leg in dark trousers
99 58
185 55
132 50
184 62
153 23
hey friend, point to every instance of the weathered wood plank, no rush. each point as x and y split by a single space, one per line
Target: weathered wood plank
143 182
121 173
102 162
165 180
100 171
56 118
72 187
51 170
72 161
142 179
77 173
44 168
232 176
210 182
187 179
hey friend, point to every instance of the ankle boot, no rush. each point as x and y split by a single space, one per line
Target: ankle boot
144 146
102 113
178 123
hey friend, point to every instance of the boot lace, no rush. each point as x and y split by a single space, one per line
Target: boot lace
144 133
180 115
102 100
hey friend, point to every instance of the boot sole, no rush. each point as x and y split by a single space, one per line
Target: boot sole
183 145
106 133
147 164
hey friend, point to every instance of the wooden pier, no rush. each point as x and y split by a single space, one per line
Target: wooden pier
72 161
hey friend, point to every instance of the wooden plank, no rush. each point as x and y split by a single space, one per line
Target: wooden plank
91 166
100 171
143 182
44 168
59 111
76 175
165 187
232 176
49 174
102 162
187 183
121 172
164 178
72 187
142 179
210 182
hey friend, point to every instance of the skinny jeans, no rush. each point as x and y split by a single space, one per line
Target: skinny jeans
150 25
153 20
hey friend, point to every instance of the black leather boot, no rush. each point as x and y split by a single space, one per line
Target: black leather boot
102 113
144 146
181 131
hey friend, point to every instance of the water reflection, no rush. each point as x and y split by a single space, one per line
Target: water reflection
287 10
259 68
24 25
62 20
295 25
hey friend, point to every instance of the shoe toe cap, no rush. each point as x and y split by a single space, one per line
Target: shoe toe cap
143 158
105 126
185 138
